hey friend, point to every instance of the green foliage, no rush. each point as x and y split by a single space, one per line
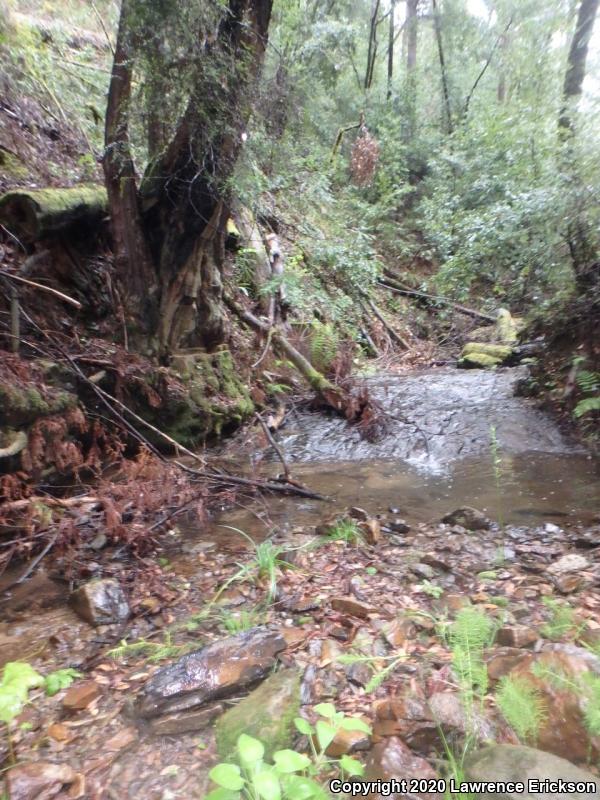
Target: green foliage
61 679
239 621
468 636
324 343
431 589
292 775
562 621
346 530
19 677
522 706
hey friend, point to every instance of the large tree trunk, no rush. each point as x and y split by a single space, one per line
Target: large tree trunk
437 26
575 72
132 259
183 196
409 53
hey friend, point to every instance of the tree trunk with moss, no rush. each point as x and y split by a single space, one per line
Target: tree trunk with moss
180 209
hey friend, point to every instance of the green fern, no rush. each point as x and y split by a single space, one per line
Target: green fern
588 381
522 707
324 343
586 406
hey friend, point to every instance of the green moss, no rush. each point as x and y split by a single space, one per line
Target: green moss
12 167
498 351
21 406
267 714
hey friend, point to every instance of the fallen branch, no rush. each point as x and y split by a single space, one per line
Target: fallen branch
394 334
275 446
392 285
49 289
335 397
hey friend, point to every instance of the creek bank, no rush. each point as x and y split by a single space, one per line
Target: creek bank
374 601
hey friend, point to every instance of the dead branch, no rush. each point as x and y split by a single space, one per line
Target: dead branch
275 446
55 292
394 334
392 285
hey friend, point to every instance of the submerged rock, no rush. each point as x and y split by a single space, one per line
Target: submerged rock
101 602
39 780
469 518
509 762
267 714
215 671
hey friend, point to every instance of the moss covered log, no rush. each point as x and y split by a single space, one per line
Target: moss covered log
37 213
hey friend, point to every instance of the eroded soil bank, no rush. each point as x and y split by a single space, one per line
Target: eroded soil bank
358 604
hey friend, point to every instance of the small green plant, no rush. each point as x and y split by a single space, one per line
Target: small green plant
586 686
292 775
589 383
151 651
430 589
379 675
324 343
347 531
561 622
239 621
468 636
521 705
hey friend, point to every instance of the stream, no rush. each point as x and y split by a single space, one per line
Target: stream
454 437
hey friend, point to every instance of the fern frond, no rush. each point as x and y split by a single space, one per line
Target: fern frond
522 707
586 406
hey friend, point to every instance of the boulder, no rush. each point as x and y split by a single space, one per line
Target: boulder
481 354
101 602
469 518
352 607
508 762
572 562
506 330
81 695
516 636
216 671
267 714
39 780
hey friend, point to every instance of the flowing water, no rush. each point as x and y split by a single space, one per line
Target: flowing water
453 438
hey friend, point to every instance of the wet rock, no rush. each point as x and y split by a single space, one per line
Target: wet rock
398 525
348 605
215 671
423 571
508 762
359 513
448 712
563 732
503 661
347 742
185 721
39 780
399 631
469 518
101 602
267 714
569 582
572 562
393 759
81 695
359 674
516 636
121 740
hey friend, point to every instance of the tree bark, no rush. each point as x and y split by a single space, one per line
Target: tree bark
409 53
440 47
372 50
181 209
575 72
132 258
390 64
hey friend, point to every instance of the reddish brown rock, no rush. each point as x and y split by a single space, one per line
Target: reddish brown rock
503 661
469 518
371 530
516 636
399 631
175 724
121 740
39 780
81 695
216 671
347 742
393 759
348 605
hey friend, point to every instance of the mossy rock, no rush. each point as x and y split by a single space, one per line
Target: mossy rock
23 405
484 355
267 714
506 327
213 398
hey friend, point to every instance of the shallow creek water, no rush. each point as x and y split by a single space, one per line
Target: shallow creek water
453 438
